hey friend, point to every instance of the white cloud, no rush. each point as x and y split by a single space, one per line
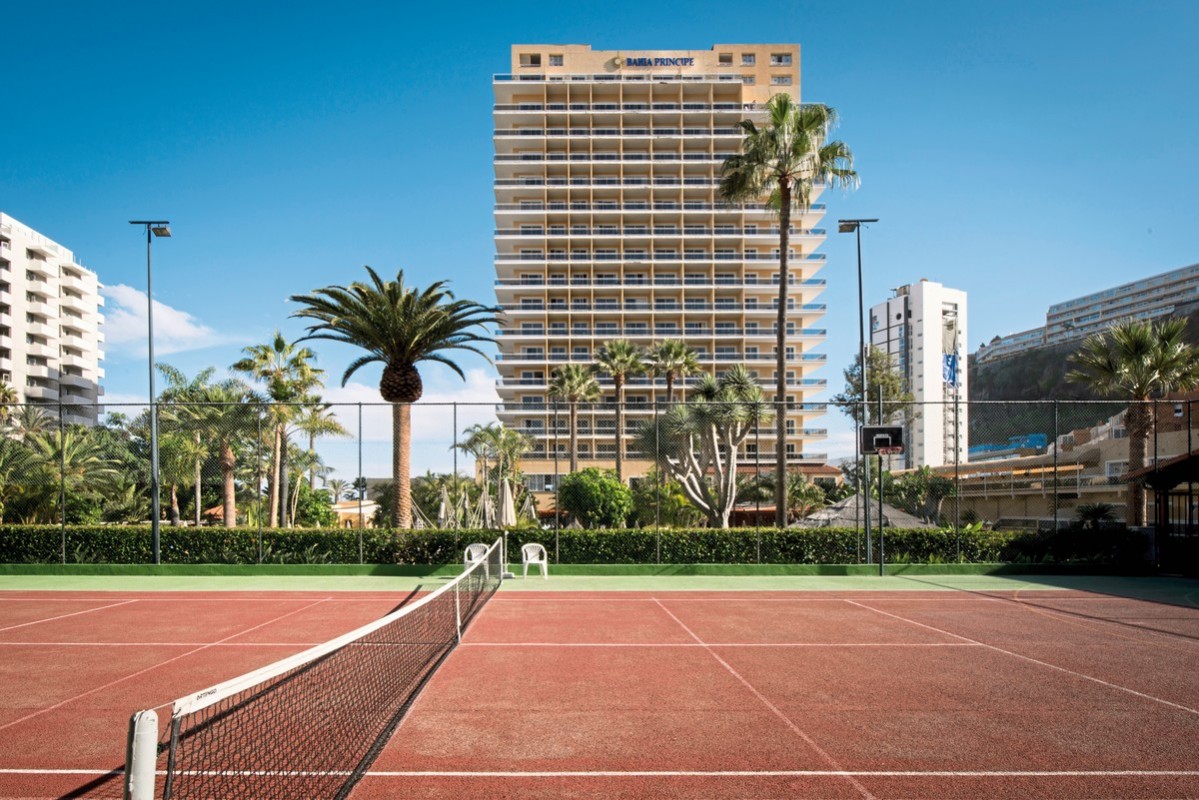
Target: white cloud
174 330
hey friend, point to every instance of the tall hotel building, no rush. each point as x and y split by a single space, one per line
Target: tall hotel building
609 225
50 320
923 329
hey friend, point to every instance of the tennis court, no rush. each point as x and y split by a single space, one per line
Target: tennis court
924 692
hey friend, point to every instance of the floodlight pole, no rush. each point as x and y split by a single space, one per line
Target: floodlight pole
855 226
153 228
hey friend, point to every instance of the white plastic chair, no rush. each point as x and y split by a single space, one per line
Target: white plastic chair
474 554
534 554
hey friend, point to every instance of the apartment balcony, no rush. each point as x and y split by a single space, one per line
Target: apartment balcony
652 108
42 350
616 77
69 281
41 308
80 362
41 329
37 392
76 382
80 304
536 234
539 207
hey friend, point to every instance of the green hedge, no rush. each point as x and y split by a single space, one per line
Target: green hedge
132 545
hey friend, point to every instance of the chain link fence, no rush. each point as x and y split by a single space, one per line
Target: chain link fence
698 463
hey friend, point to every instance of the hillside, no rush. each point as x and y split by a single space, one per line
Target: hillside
1040 375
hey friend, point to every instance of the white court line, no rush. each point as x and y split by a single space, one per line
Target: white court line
1032 660
64 616
39 712
782 773
773 708
715 644
158 644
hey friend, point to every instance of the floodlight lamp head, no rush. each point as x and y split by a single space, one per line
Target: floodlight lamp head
846 225
161 231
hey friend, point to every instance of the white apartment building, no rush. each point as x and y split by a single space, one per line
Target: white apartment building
609 226
50 339
923 329
1148 298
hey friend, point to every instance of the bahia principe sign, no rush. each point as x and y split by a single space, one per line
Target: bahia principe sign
655 62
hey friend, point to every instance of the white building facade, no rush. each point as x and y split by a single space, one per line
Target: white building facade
609 226
50 323
1148 298
923 328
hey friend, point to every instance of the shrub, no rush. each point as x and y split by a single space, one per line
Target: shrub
596 498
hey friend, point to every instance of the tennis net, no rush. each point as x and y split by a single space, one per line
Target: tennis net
309 725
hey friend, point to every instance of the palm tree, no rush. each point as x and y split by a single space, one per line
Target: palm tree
8 399
337 488
74 459
399 326
672 358
784 161
621 359
574 384
289 376
1138 360
315 419
231 416
697 443
180 401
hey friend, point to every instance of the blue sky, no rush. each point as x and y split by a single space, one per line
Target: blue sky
1026 152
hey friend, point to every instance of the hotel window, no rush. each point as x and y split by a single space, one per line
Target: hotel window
748 59
780 59
725 59
780 80
555 60
748 80
530 59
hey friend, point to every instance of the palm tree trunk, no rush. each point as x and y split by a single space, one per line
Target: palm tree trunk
401 445
312 469
174 510
1137 420
228 463
574 436
199 477
273 483
669 386
619 381
284 480
780 446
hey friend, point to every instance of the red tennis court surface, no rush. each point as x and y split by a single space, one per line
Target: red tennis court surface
1049 694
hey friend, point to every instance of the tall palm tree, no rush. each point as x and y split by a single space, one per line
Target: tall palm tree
399 326
289 375
316 420
231 411
182 398
622 360
672 358
574 384
1138 360
783 161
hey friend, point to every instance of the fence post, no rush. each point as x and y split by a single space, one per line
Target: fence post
362 490
258 479
455 484
658 487
1056 499
62 478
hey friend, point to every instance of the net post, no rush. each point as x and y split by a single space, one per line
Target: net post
458 609
505 570
141 755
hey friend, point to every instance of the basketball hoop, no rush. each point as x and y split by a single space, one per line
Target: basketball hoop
889 451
